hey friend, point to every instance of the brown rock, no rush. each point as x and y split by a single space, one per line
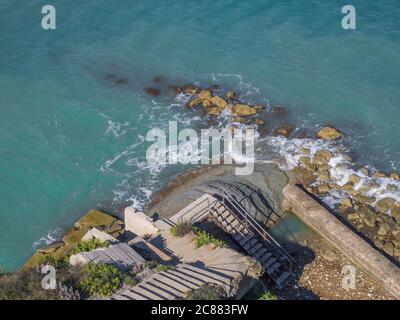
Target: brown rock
283 131
346 202
204 94
154 92
348 186
244 110
218 102
194 102
354 179
378 174
364 171
388 248
231 95
383 229
324 175
385 204
328 133
190 89
322 156
259 122
364 199
395 176
353 216
323 188
206 103
395 212
214 111
238 119
303 175
379 244
304 150
278 111
396 252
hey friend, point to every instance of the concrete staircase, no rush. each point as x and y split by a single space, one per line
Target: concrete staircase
173 284
273 264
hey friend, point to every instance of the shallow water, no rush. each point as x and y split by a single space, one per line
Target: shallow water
74 113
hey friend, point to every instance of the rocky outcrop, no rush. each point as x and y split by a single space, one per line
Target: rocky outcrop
328 133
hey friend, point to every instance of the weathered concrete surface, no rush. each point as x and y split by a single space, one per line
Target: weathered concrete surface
339 235
138 223
121 256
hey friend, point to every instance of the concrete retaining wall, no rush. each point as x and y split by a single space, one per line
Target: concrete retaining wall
339 235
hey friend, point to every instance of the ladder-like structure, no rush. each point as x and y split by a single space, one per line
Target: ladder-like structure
253 238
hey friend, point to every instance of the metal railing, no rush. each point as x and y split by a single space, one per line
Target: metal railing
253 225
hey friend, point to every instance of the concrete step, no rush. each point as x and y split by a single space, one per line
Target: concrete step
150 293
164 292
164 224
274 267
193 281
131 295
119 297
203 273
260 252
198 254
182 280
282 279
255 248
267 262
177 288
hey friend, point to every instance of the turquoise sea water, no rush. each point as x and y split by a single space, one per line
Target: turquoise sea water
72 139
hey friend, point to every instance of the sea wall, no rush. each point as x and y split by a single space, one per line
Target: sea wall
343 238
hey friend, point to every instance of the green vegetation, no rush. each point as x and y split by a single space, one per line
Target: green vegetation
89 245
206 292
267 296
259 292
101 279
181 229
204 238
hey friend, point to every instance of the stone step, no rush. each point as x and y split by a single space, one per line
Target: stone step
119 297
131 295
183 280
179 285
260 252
164 224
266 262
164 292
150 293
204 274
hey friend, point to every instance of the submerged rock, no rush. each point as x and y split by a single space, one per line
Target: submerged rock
259 122
329 133
154 92
285 131
278 111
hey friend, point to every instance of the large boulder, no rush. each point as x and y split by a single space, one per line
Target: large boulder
328 133
218 102
385 204
244 110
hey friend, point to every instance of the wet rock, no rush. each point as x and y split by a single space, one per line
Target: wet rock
379 244
218 102
395 176
395 212
391 188
304 150
364 171
355 179
323 189
259 122
190 89
396 252
388 248
353 216
368 215
385 204
348 187
204 94
328 133
364 199
238 119
175 89
285 131
303 175
306 162
346 202
378 175
158 79
154 92
206 103
279 111
324 175
383 229
258 107
214 111
193 103
322 156
244 110
231 96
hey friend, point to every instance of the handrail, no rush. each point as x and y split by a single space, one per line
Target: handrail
258 228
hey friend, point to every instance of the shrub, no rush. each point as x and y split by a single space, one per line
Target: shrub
101 279
204 238
268 296
89 245
206 292
181 229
